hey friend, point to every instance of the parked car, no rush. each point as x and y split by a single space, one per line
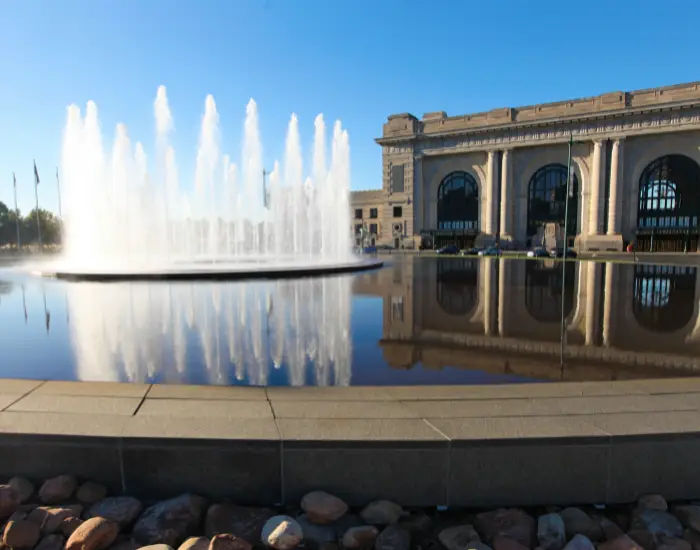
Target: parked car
473 251
538 252
559 253
384 247
449 249
490 251
369 250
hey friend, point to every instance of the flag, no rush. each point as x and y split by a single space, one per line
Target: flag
36 175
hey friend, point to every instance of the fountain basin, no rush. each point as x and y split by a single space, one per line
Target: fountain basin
213 271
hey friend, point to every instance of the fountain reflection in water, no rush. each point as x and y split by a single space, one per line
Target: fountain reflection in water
121 215
233 332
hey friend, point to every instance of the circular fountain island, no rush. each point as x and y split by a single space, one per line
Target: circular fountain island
125 219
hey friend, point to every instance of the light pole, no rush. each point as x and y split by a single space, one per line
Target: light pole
563 263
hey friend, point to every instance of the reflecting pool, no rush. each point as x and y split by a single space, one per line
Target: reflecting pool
415 321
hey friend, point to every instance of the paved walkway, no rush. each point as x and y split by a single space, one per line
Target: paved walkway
457 445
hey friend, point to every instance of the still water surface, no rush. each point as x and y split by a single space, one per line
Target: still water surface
415 321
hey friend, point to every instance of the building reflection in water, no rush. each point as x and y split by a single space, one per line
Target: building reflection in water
245 332
504 316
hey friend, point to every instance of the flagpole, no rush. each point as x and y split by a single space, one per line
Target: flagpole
36 195
14 185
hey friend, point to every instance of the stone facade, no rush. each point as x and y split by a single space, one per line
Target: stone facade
615 136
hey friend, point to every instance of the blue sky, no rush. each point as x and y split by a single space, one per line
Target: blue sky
358 60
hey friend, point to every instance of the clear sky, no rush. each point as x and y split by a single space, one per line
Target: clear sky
357 60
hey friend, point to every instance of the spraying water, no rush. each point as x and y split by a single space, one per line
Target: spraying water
121 213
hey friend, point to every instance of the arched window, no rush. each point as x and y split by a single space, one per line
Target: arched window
664 296
669 195
543 290
456 285
458 202
547 199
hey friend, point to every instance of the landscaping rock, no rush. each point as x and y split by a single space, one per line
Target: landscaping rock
656 522
170 521
124 542
609 528
69 525
507 543
282 533
226 541
50 518
91 492
644 538
671 543
551 533
578 522
381 512
121 510
693 537
393 537
23 487
51 542
243 521
57 489
9 501
21 534
653 502
458 537
315 535
156 547
477 545
418 524
688 515
620 543
93 534
195 543
512 523
579 542
322 507
361 537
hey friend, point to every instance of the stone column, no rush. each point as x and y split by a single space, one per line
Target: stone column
490 208
490 295
614 206
506 197
592 279
608 303
597 182
503 290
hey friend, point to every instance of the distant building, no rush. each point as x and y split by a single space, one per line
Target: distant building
501 175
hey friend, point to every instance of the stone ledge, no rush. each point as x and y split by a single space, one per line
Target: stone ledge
451 445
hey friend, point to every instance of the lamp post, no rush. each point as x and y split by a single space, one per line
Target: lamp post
563 263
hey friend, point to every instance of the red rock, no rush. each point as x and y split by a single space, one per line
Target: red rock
362 536
24 488
57 489
90 492
619 543
506 543
195 543
69 525
226 541
322 507
9 501
51 542
93 534
511 523
21 534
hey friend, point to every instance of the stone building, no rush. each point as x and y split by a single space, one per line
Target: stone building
501 175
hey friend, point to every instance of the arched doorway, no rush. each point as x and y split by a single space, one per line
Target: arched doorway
543 290
547 201
669 205
664 296
457 210
457 285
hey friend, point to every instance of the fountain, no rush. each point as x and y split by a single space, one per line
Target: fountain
126 220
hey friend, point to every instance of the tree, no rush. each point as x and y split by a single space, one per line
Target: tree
8 225
50 228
